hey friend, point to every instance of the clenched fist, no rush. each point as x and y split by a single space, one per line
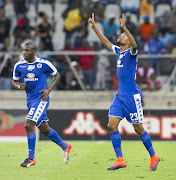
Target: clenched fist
22 85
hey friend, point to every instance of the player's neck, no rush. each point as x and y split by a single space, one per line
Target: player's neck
31 60
123 48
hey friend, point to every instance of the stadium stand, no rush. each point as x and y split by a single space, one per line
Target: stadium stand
55 12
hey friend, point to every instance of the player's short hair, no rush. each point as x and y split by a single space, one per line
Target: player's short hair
31 45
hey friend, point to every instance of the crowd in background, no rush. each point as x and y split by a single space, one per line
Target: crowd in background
153 36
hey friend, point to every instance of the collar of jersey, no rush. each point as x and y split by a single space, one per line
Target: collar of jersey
124 51
36 58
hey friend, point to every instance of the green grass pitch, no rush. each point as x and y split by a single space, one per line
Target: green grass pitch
89 160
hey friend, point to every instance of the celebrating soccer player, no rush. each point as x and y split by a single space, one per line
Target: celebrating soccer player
32 72
127 102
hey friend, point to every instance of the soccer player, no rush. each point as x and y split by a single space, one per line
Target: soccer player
32 72
127 102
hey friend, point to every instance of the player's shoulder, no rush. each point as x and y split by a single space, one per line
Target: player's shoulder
43 61
116 49
20 63
132 54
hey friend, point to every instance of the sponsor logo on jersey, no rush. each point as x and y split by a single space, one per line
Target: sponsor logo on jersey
31 77
119 65
39 65
22 66
85 124
31 67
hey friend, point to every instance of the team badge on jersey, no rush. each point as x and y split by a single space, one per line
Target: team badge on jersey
31 67
39 65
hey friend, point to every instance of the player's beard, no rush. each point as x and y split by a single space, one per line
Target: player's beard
118 43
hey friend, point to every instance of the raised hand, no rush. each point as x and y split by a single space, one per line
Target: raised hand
91 21
22 85
122 21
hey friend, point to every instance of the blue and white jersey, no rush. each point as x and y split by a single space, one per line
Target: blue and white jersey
126 71
34 74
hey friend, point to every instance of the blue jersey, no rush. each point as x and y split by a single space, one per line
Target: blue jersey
34 74
126 71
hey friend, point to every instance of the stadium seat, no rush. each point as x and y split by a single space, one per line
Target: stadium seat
112 9
161 9
59 35
92 37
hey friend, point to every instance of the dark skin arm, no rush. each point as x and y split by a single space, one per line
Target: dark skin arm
46 92
128 34
18 85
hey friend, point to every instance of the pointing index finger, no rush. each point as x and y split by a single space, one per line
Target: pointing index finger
123 16
92 15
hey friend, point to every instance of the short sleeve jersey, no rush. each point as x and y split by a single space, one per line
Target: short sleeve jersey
34 74
126 71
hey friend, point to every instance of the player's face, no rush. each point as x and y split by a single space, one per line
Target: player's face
122 39
28 53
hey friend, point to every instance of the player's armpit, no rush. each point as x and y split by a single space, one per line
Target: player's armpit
133 51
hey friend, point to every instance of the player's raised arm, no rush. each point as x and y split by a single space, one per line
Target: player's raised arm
128 34
102 38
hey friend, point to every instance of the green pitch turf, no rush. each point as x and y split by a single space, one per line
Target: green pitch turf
89 160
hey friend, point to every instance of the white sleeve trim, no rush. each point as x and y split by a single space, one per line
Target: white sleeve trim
132 53
16 78
54 73
113 48
52 67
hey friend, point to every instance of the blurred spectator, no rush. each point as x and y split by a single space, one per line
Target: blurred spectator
44 32
130 25
110 28
146 8
165 38
86 64
130 6
5 25
71 22
102 67
82 10
78 35
7 45
168 20
71 81
41 53
5 73
108 79
17 48
143 75
154 47
97 9
1 3
20 7
63 66
147 28
23 29
153 83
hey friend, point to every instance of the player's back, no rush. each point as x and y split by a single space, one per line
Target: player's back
126 71
34 74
